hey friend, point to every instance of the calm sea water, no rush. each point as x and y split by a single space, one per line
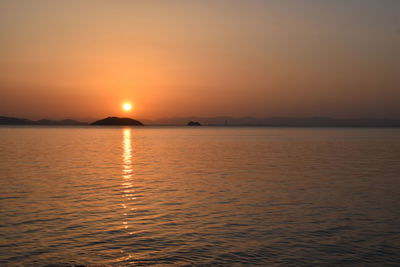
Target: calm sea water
199 196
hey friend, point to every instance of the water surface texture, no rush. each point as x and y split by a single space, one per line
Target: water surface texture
199 196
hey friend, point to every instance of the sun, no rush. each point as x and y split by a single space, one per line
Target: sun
127 107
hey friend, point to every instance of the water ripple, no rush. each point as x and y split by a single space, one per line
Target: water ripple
225 197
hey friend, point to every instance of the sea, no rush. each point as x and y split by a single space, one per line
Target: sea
199 196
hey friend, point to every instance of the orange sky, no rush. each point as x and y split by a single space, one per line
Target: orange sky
83 59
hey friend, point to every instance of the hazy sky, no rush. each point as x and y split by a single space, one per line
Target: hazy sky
82 59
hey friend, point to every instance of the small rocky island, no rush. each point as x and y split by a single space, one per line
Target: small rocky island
117 121
193 123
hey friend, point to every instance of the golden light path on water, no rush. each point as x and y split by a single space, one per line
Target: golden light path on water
127 176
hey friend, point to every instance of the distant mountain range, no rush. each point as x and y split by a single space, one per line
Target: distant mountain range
278 121
230 121
19 121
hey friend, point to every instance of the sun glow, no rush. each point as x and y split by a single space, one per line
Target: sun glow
127 106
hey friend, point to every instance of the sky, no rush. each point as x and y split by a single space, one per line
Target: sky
83 59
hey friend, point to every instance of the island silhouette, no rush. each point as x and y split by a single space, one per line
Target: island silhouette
117 121
193 123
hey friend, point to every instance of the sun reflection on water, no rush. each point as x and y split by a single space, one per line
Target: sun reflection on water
127 172
127 154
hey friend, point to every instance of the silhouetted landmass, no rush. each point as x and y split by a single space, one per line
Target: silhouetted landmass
117 121
280 121
193 123
14 121
61 122
19 121
221 121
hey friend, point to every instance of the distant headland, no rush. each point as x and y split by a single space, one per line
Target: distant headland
19 121
117 121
